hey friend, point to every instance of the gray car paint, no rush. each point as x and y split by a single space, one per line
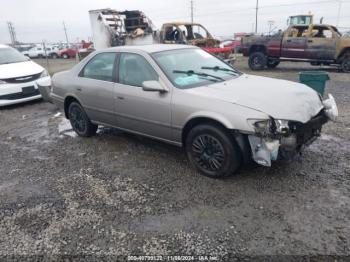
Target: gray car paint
163 115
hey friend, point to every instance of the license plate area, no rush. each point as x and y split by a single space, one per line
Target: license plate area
28 90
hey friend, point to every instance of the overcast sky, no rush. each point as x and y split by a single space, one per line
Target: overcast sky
38 20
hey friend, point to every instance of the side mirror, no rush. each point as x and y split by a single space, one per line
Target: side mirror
153 85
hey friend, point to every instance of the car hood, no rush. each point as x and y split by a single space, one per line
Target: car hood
19 69
280 99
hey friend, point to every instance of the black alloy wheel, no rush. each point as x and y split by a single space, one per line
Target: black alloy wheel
80 122
213 151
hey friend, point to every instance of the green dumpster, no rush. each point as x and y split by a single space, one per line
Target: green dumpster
314 79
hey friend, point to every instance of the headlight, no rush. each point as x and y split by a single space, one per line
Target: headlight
270 126
282 126
262 127
2 82
44 73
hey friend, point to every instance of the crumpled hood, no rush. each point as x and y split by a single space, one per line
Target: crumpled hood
280 99
19 69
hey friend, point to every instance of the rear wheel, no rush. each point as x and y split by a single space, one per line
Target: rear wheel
345 64
65 56
272 63
257 61
54 56
213 151
80 121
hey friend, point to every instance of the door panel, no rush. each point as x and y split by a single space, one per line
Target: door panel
95 88
321 44
97 98
137 110
143 111
293 47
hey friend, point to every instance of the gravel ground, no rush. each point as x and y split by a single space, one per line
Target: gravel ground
120 194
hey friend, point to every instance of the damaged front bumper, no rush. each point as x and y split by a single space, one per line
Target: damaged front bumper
286 138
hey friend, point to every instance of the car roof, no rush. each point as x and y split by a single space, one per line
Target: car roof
4 46
154 48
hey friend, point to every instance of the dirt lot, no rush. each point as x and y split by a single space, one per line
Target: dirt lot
120 194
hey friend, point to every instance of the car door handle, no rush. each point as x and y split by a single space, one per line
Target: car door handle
120 97
289 40
78 89
309 41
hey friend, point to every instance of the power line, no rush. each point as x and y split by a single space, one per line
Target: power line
65 31
256 16
12 33
192 11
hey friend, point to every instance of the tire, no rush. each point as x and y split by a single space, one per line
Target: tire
65 56
54 56
345 64
257 61
40 56
272 63
80 122
213 151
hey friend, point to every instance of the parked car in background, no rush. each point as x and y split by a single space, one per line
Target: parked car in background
67 53
235 43
318 44
183 95
41 52
18 76
35 52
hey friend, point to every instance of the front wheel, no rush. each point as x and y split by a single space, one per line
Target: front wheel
213 151
257 61
345 64
65 56
80 121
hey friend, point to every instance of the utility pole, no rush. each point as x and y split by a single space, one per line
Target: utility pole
65 32
256 16
191 11
12 33
339 9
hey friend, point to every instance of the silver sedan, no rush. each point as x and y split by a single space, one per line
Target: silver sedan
185 96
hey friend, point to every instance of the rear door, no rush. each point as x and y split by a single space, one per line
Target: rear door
321 44
294 42
95 87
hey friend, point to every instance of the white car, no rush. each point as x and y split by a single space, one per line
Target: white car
18 76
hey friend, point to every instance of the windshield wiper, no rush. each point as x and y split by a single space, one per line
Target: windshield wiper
191 72
218 68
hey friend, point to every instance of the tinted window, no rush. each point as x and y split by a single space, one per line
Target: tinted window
134 70
100 67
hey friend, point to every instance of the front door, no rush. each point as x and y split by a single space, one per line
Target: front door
321 44
144 112
95 88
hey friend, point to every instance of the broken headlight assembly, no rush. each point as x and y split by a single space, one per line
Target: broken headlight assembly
44 74
270 126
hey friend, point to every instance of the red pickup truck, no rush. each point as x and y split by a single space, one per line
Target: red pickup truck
318 44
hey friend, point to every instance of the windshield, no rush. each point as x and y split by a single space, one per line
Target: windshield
10 55
187 68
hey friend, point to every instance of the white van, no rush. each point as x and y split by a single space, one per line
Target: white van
18 76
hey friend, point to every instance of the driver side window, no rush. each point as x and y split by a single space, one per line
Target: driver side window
134 69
